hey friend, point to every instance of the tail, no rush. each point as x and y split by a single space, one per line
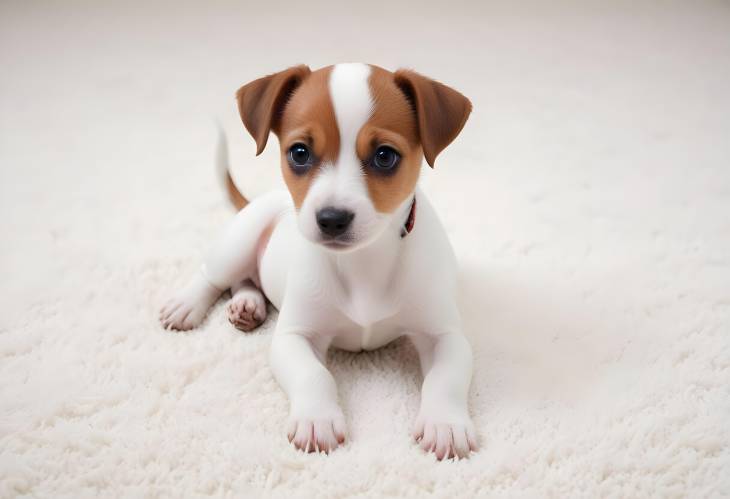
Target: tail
237 199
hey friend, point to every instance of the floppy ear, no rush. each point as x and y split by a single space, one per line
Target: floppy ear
441 111
262 102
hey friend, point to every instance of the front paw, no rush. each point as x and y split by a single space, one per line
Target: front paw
446 437
317 432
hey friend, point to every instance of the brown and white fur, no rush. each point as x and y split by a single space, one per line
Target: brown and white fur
359 286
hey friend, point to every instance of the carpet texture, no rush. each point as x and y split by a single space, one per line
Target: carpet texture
588 202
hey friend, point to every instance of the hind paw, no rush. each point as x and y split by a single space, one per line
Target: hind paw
247 309
188 307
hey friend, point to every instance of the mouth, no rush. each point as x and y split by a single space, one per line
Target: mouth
336 244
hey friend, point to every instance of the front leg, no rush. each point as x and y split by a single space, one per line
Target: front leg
316 422
443 425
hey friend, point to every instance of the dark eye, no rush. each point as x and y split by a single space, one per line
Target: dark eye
300 158
385 158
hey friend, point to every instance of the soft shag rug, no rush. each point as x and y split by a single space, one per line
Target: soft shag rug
588 201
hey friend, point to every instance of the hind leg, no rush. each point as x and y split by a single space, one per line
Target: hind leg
247 307
232 260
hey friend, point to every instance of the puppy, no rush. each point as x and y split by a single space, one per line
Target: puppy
353 255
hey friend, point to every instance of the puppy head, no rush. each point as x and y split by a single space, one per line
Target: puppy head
352 138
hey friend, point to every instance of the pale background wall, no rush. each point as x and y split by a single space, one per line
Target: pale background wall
588 200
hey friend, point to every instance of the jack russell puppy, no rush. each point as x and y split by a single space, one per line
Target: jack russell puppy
353 256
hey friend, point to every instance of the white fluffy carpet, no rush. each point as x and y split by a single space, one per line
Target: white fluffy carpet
588 201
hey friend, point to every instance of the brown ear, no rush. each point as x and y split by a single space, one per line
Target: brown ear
262 102
441 111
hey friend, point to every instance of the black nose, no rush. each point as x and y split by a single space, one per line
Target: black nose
334 222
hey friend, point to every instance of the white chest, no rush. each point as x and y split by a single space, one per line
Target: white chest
367 285
366 338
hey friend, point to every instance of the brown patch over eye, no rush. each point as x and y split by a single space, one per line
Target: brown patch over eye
309 119
392 124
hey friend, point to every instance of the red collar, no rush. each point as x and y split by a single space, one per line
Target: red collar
410 221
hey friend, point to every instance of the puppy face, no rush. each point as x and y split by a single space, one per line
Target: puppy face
352 139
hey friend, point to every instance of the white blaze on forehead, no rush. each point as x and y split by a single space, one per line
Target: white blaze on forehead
353 106
351 99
